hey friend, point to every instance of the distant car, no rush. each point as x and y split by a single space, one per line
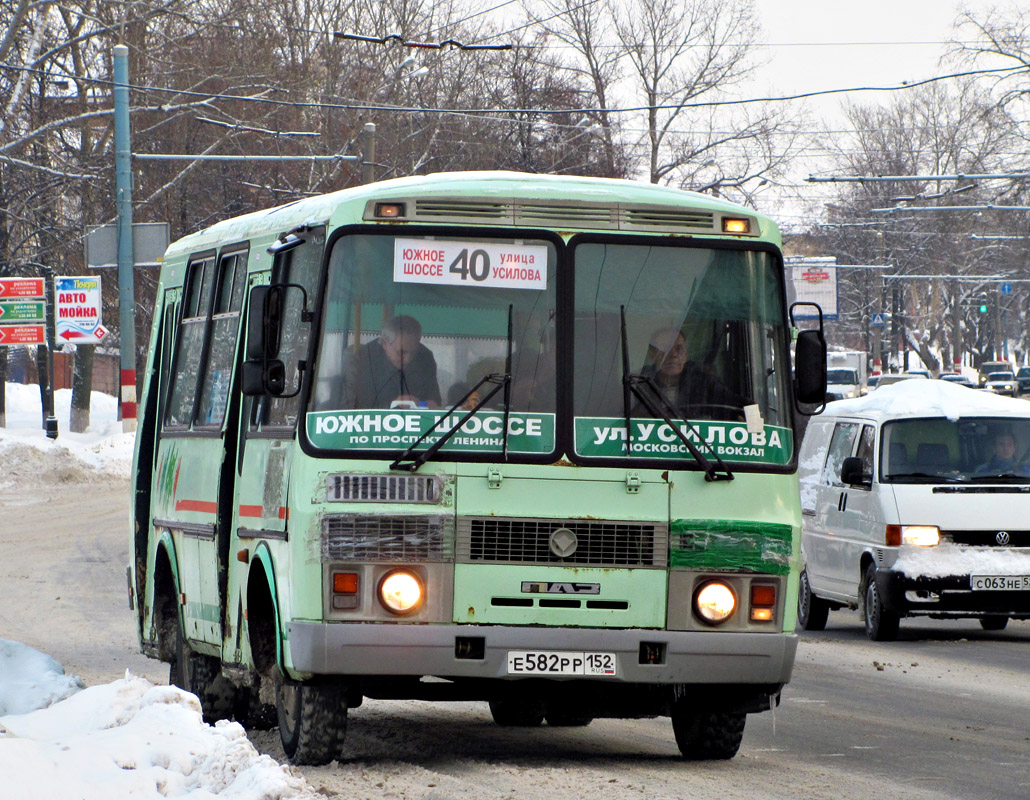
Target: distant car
962 380
924 372
1002 383
987 367
1023 379
886 380
871 383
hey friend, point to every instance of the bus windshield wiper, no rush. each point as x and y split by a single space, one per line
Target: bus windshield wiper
499 380
659 407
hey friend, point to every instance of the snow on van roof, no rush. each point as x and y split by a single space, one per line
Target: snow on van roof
933 398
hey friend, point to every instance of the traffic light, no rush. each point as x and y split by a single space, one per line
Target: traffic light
983 308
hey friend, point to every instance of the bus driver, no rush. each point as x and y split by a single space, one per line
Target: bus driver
393 370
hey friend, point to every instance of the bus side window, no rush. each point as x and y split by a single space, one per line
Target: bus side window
298 265
225 326
190 342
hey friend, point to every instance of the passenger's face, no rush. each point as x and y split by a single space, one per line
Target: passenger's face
401 350
1005 447
675 358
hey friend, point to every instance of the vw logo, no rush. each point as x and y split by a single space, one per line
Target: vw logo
1002 537
563 542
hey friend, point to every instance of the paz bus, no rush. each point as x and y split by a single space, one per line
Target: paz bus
520 439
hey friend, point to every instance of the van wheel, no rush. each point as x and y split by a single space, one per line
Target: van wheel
517 712
881 625
994 623
202 675
812 611
707 735
312 720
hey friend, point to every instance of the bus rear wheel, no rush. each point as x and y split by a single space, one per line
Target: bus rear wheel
201 675
707 735
312 720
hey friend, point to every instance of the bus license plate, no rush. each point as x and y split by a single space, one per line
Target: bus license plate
1003 583
554 662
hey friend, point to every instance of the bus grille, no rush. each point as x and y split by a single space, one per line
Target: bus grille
371 537
598 543
344 488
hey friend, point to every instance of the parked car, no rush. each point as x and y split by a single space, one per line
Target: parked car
914 502
1002 383
962 380
1023 379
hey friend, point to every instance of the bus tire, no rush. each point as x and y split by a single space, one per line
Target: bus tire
881 624
812 611
517 712
564 715
312 720
202 676
707 735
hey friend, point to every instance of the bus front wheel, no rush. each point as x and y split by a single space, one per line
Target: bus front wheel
707 735
312 720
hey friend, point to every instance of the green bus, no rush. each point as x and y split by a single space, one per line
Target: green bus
521 439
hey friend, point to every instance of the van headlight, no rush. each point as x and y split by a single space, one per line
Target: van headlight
917 535
401 592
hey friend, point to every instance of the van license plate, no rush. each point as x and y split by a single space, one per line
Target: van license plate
1002 583
557 662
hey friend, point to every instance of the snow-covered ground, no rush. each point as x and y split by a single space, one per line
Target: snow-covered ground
129 738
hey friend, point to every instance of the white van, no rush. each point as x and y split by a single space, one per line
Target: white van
916 501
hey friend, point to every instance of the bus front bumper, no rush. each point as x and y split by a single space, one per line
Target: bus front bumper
453 651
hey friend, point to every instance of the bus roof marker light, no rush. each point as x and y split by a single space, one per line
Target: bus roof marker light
736 225
390 210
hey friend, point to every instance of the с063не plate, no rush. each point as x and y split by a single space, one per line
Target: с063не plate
987 583
556 662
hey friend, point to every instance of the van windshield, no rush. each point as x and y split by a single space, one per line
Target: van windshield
967 450
847 376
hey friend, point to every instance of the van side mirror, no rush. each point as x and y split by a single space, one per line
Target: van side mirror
810 362
851 473
263 371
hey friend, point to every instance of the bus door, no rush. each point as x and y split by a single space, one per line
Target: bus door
268 424
192 485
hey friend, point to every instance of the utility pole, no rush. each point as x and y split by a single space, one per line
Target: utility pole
368 153
956 325
123 197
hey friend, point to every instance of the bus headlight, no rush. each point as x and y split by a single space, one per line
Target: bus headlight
401 592
714 602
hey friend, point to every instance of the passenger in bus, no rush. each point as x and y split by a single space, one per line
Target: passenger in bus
395 370
684 384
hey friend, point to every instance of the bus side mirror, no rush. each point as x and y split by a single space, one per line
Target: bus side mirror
810 367
263 371
810 363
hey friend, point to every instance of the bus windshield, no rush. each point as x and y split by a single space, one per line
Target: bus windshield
414 325
704 328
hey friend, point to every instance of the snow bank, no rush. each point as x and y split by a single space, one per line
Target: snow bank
930 398
30 680
127 739
103 451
